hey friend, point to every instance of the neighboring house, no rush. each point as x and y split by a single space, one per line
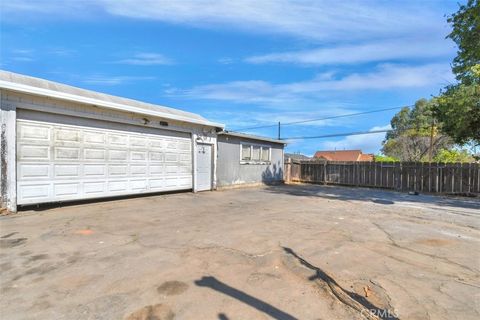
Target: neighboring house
62 143
296 156
344 155
247 159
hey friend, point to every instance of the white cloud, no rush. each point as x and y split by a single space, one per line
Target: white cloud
113 80
61 52
320 20
363 52
147 59
339 31
368 143
312 19
225 61
384 77
22 55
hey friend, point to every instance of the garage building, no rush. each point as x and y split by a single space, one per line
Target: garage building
62 143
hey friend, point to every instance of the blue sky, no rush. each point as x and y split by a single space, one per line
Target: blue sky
243 63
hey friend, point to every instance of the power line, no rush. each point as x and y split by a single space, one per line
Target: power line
319 119
338 134
355 133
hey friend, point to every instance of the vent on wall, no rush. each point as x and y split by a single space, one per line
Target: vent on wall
163 123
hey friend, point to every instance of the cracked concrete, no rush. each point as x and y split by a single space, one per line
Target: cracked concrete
221 255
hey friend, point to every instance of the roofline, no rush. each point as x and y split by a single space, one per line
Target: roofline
349 150
253 137
100 103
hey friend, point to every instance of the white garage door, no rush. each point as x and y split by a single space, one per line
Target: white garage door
57 162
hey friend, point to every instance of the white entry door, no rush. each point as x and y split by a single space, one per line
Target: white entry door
204 167
57 162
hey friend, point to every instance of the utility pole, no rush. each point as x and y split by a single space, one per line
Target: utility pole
278 130
430 149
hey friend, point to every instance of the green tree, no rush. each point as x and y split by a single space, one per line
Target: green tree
466 34
384 158
458 106
412 132
458 110
445 155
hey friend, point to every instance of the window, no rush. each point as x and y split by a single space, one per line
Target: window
255 154
246 152
265 154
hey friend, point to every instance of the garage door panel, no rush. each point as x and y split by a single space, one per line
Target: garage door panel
118 186
156 184
66 189
138 170
156 143
94 188
138 155
117 170
63 153
94 170
35 192
156 156
139 185
94 138
33 153
184 182
117 140
67 135
118 155
156 170
33 132
66 171
95 154
62 162
34 171
138 142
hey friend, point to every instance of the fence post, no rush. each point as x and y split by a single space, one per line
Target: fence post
325 163
288 168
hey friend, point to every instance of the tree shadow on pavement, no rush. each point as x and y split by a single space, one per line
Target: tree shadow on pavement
386 197
217 285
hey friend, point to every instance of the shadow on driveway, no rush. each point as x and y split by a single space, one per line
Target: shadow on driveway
386 197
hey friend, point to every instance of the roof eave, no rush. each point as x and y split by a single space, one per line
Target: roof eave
253 137
105 104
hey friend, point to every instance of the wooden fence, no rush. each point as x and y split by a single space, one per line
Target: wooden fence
449 178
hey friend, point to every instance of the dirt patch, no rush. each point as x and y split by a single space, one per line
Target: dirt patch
155 312
369 303
172 288
84 232
373 293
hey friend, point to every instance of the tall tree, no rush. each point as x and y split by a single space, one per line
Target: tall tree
458 106
466 34
414 133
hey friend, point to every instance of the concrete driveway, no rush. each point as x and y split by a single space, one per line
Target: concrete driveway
286 252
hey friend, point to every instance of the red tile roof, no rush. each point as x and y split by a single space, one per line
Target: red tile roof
343 155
